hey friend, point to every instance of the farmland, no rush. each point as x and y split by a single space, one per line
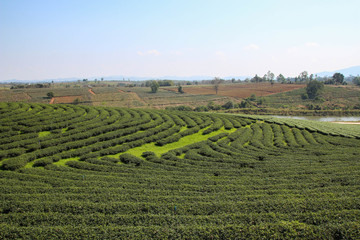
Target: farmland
251 98
243 90
78 171
109 94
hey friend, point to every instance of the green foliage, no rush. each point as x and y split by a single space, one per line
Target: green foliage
228 105
42 162
180 108
338 78
356 80
313 88
114 173
154 85
50 94
252 97
165 83
180 89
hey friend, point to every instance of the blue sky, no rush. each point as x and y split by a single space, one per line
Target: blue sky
44 39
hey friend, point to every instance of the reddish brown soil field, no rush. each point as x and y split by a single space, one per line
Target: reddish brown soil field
242 90
66 99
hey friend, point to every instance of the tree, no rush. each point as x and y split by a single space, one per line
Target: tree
280 78
313 88
338 78
216 83
252 97
154 86
216 87
166 83
304 76
327 80
312 77
356 81
270 76
50 94
256 79
228 105
180 89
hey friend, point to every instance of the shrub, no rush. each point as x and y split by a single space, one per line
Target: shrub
128 159
43 162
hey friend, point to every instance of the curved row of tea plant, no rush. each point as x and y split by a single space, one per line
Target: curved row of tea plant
72 172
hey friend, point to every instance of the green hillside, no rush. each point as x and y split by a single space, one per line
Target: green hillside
330 98
82 172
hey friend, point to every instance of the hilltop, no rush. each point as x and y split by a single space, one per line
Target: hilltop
350 71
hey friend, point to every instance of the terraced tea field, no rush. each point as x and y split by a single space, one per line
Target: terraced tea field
81 172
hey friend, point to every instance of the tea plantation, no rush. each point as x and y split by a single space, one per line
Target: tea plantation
80 172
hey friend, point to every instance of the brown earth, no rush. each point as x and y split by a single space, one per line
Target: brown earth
241 90
91 91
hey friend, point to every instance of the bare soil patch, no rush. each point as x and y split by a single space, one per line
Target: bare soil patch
91 91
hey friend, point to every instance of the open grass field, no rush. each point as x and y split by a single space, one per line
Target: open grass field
84 172
13 96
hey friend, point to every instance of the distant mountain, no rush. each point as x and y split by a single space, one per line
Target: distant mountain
354 71
125 78
40 81
135 78
176 78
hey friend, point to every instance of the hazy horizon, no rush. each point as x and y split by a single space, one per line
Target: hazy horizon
62 39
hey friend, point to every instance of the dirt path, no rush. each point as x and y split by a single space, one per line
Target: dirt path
91 91
136 97
52 100
354 123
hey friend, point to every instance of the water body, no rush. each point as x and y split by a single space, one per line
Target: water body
323 119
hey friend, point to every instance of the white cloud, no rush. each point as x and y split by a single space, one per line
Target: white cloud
252 47
153 52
